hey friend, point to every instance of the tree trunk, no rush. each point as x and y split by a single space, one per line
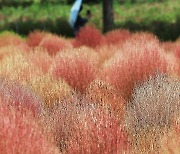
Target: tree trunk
108 15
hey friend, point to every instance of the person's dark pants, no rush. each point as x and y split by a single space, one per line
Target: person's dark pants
80 22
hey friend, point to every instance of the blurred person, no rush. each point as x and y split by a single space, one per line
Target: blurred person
76 21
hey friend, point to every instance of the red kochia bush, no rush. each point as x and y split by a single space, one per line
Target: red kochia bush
170 143
78 68
54 44
88 36
168 46
105 94
22 97
60 120
34 38
20 133
40 59
97 132
177 51
17 67
177 54
144 36
117 36
8 39
135 64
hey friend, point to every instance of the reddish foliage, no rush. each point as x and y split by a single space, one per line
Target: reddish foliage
34 38
168 46
51 90
22 97
78 68
8 51
97 132
138 62
16 67
107 51
172 64
177 54
21 134
8 39
23 47
88 36
105 94
170 143
177 51
54 44
144 36
60 120
117 36
40 59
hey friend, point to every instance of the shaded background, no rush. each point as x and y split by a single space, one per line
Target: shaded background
162 17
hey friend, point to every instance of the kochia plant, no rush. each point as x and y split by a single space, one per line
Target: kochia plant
20 133
88 36
77 67
134 63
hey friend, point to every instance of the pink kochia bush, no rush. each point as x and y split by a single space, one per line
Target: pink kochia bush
136 61
21 134
88 36
80 126
54 44
8 51
7 39
177 54
97 132
40 59
34 38
61 120
177 51
117 37
105 94
171 143
17 67
21 97
77 67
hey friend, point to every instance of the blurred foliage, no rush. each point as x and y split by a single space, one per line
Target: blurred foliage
139 1
162 18
29 2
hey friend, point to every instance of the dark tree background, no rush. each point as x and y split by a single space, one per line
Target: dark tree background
108 15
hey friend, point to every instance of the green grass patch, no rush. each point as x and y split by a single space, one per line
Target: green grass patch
49 16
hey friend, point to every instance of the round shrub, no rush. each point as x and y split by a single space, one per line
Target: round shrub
133 64
77 67
19 96
54 44
20 133
16 67
117 37
88 36
97 131
40 59
8 39
105 94
51 90
34 38
152 110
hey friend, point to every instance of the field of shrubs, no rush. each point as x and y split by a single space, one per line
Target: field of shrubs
94 94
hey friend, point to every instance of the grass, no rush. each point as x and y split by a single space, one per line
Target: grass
137 12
